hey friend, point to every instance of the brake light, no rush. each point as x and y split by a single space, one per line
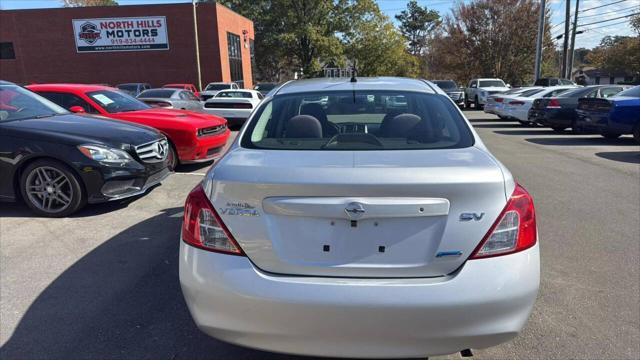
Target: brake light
514 230
517 102
499 100
203 228
161 104
553 104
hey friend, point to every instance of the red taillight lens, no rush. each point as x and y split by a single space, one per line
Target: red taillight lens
203 228
499 99
515 230
516 102
553 104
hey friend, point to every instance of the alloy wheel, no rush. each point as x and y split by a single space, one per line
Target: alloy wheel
49 189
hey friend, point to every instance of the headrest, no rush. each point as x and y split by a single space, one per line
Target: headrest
399 125
304 126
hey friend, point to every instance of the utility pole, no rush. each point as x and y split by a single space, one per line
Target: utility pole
565 45
573 40
195 30
538 66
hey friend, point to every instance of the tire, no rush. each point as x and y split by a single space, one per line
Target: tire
558 128
574 128
172 158
467 104
52 189
524 123
476 103
636 133
611 136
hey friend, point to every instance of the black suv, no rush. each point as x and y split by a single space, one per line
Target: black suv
57 161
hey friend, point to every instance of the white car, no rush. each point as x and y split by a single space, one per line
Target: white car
496 102
213 88
478 90
233 105
518 107
353 229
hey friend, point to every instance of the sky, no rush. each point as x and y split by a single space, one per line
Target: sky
589 39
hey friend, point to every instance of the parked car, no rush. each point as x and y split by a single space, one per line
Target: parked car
518 107
233 105
553 81
133 89
611 117
188 87
56 161
213 88
478 90
264 88
495 102
382 234
171 99
193 137
559 112
452 89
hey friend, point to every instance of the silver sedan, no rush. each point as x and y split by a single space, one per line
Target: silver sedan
171 99
374 224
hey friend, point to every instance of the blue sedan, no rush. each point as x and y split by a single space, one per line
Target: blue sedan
612 117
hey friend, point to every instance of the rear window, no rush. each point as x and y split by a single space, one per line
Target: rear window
633 92
530 92
234 94
446 84
157 93
372 120
492 83
217 87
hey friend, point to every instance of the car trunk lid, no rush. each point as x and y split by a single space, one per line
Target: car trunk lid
358 213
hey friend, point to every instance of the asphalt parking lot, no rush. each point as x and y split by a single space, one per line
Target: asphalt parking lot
103 284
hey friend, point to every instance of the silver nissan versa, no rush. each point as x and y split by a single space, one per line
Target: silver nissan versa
359 218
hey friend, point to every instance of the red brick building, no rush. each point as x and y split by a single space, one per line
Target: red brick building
119 44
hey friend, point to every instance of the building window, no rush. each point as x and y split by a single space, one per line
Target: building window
235 58
6 51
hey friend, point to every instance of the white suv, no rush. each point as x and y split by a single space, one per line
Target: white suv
479 90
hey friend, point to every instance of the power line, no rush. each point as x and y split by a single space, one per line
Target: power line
597 7
615 18
602 26
610 12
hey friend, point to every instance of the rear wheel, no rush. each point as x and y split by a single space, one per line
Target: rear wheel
609 135
476 103
636 133
467 104
574 127
525 123
52 189
558 128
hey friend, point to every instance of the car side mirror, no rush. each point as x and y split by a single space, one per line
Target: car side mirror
509 86
77 109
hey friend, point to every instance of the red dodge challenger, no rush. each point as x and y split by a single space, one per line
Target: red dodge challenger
194 137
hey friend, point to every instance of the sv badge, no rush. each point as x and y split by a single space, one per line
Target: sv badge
471 216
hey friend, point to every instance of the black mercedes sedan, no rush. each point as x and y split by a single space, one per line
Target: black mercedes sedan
56 161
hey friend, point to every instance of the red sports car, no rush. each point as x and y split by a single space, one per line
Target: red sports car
194 137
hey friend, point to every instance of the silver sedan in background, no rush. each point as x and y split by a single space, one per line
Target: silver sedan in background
351 228
171 99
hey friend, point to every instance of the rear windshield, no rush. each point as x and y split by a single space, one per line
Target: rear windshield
217 87
349 120
491 83
446 84
530 92
157 93
234 94
633 92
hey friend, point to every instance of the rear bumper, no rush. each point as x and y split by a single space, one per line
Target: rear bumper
602 123
485 303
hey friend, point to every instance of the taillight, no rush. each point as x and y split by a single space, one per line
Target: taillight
553 104
515 230
203 228
517 102
499 100
161 104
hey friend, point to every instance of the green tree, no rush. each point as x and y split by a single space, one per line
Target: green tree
490 38
82 3
617 55
416 25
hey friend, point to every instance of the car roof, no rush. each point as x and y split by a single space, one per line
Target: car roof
345 84
177 84
4 82
68 87
221 82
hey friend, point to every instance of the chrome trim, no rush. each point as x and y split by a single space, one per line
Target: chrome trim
153 152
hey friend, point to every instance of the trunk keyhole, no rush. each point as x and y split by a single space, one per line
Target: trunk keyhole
326 248
381 249
354 223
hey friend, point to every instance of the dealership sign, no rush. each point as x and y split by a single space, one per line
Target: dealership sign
121 34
